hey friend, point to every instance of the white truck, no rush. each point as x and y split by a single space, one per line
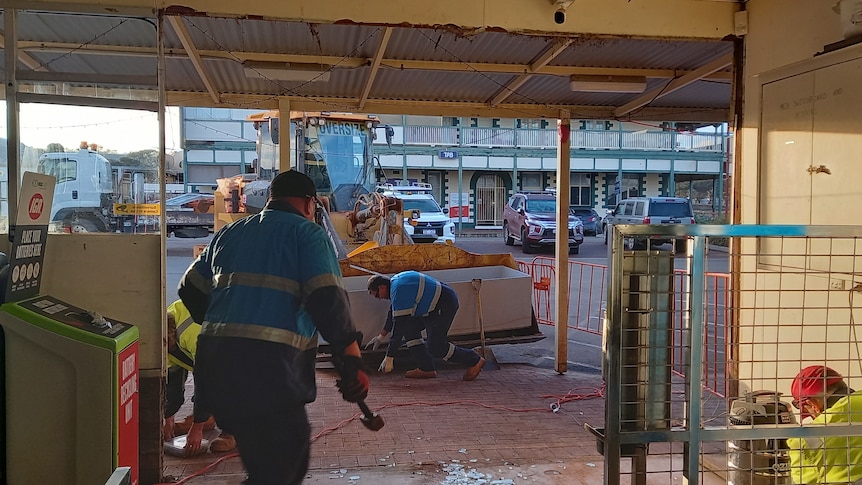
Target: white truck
433 224
88 186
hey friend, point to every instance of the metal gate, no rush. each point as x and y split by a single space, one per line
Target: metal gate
490 198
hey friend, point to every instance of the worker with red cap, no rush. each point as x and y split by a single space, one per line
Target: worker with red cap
821 393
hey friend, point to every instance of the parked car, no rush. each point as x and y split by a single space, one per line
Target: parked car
434 224
651 210
531 217
590 218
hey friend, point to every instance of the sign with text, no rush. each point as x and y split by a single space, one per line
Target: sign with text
459 205
30 235
137 209
448 154
37 195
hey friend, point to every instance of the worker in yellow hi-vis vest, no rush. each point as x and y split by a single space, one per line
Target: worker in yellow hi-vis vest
182 344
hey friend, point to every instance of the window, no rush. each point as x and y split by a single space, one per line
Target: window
639 208
581 189
630 187
64 169
531 181
627 210
542 205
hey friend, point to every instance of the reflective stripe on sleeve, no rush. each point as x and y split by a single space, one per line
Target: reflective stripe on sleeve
198 281
415 342
320 281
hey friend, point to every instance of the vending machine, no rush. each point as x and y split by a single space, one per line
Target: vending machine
71 394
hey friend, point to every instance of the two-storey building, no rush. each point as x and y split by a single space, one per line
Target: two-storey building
475 164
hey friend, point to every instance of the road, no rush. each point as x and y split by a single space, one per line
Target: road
584 349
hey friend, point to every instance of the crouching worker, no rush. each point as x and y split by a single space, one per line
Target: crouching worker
182 343
420 302
821 393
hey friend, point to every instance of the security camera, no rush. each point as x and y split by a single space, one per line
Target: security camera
560 16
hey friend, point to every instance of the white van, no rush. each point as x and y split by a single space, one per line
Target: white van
434 224
651 210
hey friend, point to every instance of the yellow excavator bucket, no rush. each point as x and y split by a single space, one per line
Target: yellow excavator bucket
419 257
365 246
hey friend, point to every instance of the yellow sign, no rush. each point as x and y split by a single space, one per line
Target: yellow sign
137 209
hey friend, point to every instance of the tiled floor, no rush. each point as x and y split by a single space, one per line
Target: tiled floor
499 425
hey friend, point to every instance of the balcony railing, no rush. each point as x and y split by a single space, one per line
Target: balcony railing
580 139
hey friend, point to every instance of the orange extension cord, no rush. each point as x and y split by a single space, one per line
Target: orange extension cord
577 394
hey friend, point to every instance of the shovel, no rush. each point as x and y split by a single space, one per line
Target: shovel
486 352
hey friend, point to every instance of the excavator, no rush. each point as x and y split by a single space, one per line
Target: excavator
366 228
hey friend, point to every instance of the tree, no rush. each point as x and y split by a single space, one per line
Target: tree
55 148
143 158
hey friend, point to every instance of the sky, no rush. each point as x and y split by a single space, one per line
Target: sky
117 130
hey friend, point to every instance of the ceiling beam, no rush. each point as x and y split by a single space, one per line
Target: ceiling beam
353 62
88 101
375 65
183 33
143 99
25 58
437 108
550 52
682 19
90 78
674 84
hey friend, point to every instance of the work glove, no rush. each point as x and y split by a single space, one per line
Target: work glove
387 365
353 384
377 341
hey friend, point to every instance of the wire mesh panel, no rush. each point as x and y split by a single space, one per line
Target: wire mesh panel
777 337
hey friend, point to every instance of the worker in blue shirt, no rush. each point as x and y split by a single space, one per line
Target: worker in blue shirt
420 302
263 289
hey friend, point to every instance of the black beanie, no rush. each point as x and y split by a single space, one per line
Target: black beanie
292 184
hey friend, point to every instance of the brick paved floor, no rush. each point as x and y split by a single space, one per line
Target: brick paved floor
502 418
501 424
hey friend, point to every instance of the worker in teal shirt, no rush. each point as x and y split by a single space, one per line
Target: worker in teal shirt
262 290
821 393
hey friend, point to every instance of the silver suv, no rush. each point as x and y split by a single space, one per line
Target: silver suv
651 210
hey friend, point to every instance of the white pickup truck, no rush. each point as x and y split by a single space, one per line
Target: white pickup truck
433 224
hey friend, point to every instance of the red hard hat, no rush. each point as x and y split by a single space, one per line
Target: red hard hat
813 380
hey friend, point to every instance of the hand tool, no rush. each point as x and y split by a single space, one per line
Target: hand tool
486 353
371 420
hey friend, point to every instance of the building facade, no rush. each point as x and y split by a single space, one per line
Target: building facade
475 164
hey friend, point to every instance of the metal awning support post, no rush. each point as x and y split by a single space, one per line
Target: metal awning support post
694 376
13 135
562 243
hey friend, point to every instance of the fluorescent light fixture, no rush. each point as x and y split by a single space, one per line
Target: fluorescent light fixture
607 84
287 71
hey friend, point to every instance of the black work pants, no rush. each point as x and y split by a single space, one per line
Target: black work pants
436 325
274 448
248 385
175 389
